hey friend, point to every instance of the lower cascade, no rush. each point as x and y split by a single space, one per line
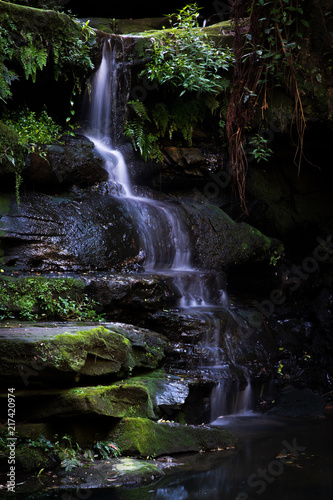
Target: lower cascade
166 244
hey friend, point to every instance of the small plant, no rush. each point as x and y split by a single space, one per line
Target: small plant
40 442
137 130
69 453
260 149
107 450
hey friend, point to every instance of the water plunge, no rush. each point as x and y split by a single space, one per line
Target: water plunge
164 235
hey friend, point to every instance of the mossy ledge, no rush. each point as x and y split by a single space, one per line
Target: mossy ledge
143 438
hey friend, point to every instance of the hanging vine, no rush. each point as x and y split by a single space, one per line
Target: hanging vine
267 39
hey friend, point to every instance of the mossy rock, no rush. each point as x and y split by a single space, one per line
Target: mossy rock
30 459
126 26
116 401
230 243
49 355
41 355
37 297
143 437
166 391
50 24
148 347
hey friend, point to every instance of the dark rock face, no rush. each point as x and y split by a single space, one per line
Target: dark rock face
74 162
141 293
91 231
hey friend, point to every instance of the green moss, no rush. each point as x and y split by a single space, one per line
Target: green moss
143 437
116 401
36 297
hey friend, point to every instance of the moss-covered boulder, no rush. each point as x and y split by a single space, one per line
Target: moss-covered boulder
51 355
147 347
230 243
143 437
167 392
116 400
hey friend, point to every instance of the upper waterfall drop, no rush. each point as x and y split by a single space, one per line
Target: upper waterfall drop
102 116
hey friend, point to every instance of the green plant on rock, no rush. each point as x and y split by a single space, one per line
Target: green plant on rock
107 449
146 127
33 129
69 453
137 129
41 298
185 58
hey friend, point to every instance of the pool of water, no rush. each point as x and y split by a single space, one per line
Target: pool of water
276 459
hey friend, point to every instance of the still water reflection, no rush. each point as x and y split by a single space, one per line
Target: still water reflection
276 459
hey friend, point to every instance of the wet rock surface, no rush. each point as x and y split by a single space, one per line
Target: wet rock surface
71 162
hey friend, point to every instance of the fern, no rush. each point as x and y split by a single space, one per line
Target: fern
140 109
138 131
161 117
33 56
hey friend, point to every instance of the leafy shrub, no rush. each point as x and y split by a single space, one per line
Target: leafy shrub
33 129
185 58
26 44
41 298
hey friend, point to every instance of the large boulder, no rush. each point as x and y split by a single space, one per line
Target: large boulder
135 292
72 162
142 437
230 243
93 229
116 400
46 355
68 233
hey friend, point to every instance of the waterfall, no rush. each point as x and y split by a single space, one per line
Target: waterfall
103 113
163 231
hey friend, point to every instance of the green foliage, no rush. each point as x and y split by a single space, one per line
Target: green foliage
33 55
107 450
147 127
41 443
137 130
281 26
33 129
68 453
260 149
28 131
11 151
67 44
36 298
185 58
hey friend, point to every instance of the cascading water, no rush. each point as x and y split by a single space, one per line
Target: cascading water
103 114
165 237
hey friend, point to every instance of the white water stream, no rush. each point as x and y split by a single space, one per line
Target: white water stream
165 238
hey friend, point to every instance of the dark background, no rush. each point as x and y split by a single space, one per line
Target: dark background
123 9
